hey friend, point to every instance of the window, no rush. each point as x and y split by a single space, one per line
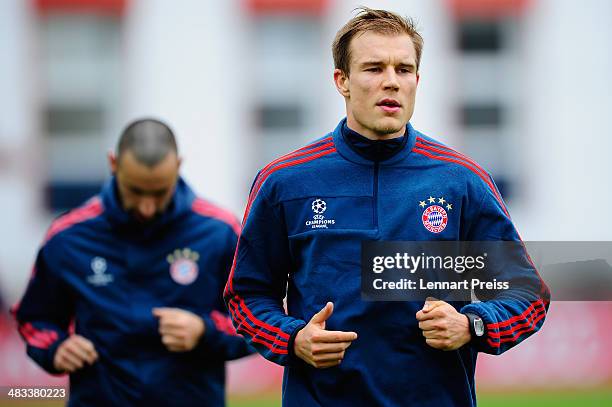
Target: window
488 90
280 117
481 115
80 71
286 50
480 36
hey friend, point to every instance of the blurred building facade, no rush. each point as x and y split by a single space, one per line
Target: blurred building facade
522 86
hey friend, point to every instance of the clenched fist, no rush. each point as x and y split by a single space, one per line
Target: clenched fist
73 353
180 330
443 326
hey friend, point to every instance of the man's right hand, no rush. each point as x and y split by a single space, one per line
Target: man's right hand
73 353
321 348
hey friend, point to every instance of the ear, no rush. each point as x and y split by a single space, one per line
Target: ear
418 77
112 162
341 80
180 162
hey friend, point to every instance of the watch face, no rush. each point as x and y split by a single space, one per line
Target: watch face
478 326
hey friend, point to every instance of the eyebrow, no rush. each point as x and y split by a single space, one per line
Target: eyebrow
378 63
371 62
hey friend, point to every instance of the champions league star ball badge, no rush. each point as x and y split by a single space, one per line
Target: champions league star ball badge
183 266
435 217
318 206
319 221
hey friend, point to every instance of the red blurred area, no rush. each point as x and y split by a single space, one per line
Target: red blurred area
315 7
487 9
571 352
109 7
17 369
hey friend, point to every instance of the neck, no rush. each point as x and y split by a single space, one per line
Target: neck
373 149
371 133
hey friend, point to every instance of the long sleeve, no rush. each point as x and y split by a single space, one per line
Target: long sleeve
512 315
44 313
258 280
221 338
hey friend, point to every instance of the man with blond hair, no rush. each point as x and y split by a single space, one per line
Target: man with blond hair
374 178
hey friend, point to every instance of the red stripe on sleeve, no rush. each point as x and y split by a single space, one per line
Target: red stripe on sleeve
223 323
229 286
258 322
501 324
275 344
263 175
206 208
529 322
90 210
37 338
466 165
298 153
516 335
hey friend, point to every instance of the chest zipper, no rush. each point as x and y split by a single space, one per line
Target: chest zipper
375 190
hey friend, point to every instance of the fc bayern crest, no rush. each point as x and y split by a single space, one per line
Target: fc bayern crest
435 217
184 271
183 266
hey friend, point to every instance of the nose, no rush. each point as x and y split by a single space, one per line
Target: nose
146 208
390 79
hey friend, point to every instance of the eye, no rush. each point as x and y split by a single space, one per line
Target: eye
373 69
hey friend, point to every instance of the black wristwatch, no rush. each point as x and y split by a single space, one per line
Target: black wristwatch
477 327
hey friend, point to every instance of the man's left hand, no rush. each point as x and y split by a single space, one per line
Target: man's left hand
180 330
443 326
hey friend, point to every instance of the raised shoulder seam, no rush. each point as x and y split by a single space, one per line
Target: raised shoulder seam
91 209
441 152
207 209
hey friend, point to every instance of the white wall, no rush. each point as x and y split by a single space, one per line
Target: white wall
185 65
21 220
567 74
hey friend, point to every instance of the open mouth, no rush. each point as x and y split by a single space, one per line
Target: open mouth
389 105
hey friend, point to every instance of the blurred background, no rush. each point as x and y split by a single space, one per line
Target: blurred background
522 86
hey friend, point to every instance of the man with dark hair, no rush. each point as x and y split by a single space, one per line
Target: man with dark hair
374 178
125 294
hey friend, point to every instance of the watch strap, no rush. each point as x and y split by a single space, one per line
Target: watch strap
471 319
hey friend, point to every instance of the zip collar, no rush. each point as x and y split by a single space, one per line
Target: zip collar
179 205
351 146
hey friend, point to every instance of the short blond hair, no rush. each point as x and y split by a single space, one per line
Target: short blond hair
379 21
